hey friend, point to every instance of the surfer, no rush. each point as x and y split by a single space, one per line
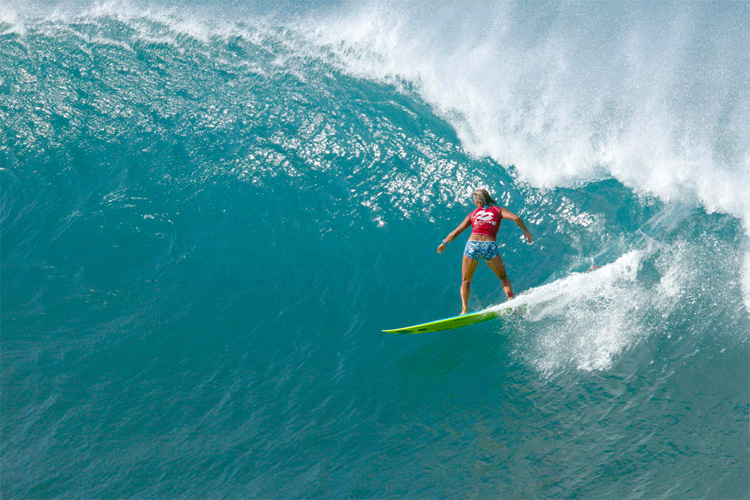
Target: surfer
485 221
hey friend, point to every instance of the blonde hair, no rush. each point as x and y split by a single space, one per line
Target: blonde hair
484 197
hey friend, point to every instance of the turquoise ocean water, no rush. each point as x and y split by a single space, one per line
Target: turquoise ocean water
209 213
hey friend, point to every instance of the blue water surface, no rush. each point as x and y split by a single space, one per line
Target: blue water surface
205 229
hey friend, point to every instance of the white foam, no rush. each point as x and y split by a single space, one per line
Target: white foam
655 95
585 319
588 320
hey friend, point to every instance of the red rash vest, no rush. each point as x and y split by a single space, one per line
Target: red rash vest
486 220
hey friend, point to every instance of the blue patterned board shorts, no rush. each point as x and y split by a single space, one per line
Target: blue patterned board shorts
485 250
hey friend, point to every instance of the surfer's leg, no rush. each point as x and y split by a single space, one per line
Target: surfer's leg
468 266
497 266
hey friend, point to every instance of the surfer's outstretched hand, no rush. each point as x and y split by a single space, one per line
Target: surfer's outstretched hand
528 236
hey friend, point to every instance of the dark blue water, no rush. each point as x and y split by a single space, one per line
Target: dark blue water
207 222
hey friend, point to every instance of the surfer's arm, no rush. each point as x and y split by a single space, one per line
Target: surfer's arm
507 214
454 234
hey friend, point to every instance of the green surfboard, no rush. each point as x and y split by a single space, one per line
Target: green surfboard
460 321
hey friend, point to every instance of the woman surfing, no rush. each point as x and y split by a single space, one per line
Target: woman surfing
485 222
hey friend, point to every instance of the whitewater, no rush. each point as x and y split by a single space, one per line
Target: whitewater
210 212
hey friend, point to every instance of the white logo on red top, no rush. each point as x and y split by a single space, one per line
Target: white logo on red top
485 216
